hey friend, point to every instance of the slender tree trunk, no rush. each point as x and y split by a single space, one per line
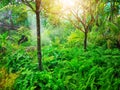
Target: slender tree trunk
38 40
85 40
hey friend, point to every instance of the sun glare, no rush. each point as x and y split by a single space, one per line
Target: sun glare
67 3
71 5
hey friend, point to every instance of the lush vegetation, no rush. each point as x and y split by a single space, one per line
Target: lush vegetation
80 46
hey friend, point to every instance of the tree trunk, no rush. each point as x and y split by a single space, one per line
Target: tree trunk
85 40
38 41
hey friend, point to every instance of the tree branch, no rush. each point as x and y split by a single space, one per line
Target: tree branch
75 14
28 4
76 25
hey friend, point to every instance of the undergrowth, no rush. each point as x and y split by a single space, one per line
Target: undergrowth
65 68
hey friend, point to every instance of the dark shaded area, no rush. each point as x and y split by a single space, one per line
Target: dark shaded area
2 50
118 44
6 26
22 39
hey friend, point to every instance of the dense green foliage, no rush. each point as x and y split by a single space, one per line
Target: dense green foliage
66 66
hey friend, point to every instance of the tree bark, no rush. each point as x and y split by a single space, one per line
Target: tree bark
38 41
85 40
37 12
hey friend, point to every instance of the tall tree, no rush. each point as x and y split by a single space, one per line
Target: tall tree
82 15
37 10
